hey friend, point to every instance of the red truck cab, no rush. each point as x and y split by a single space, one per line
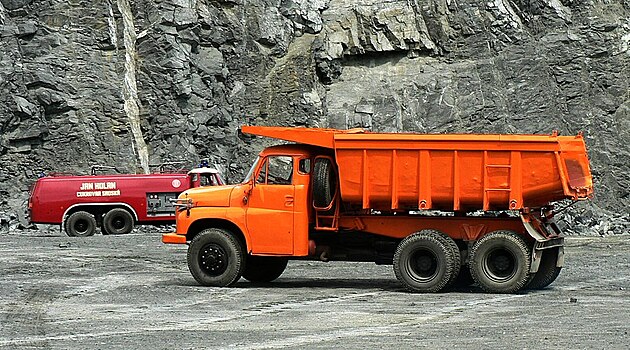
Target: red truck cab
116 202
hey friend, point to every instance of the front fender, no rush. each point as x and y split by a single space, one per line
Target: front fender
192 221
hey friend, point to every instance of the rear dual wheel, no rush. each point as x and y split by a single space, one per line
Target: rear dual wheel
426 261
117 221
500 262
457 258
547 270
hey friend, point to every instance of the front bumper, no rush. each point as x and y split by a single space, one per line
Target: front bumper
173 238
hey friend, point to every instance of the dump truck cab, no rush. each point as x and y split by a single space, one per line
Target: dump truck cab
276 189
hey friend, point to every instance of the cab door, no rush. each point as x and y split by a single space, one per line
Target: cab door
270 207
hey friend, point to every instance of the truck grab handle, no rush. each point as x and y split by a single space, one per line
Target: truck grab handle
182 203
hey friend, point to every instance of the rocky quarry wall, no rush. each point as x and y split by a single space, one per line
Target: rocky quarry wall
131 83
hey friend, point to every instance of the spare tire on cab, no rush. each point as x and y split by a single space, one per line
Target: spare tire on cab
324 183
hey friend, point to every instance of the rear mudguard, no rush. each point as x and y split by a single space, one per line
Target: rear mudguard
547 236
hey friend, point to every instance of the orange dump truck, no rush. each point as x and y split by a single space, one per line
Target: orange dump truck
440 208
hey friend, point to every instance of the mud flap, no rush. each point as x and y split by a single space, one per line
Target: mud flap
540 247
546 238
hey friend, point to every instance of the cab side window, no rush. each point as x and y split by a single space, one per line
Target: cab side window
304 166
276 170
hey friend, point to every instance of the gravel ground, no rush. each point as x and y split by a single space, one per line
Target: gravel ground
133 292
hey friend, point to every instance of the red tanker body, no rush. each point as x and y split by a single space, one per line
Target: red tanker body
114 202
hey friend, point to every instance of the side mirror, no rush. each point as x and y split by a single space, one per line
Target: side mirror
247 191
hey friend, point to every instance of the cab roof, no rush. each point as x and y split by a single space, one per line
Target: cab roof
291 150
204 170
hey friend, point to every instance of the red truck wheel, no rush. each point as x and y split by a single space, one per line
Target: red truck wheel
500 261
216 258
117 222
264 268
423 262
80 224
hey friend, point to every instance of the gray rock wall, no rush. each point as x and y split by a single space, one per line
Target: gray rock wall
72 72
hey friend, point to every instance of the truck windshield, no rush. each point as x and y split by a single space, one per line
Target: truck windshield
250 173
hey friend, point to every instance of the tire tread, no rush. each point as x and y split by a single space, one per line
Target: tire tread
425 236
508 237
231 242
547 271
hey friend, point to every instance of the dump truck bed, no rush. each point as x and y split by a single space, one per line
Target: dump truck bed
453 172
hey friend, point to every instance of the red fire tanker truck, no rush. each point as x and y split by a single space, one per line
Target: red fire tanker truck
114 202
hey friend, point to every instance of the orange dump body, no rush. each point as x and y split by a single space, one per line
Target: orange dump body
454 172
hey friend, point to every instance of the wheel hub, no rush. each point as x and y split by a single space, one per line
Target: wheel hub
213 259
81 226
423 265
500 265
118 223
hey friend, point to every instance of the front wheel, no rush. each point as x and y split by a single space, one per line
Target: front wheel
264 268
500 261
216 258
424 262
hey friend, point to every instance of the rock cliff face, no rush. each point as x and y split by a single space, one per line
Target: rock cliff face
129 83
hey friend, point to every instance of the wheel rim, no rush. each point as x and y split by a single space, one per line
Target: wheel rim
118 222
422 265
81 226
500 265
213 259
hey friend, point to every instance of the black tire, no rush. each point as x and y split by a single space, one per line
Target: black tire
117 222
423 262
324 184
216 258
500 262
547 270
80 224
457 258
261 269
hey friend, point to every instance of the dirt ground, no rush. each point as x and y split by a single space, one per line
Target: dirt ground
133 292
